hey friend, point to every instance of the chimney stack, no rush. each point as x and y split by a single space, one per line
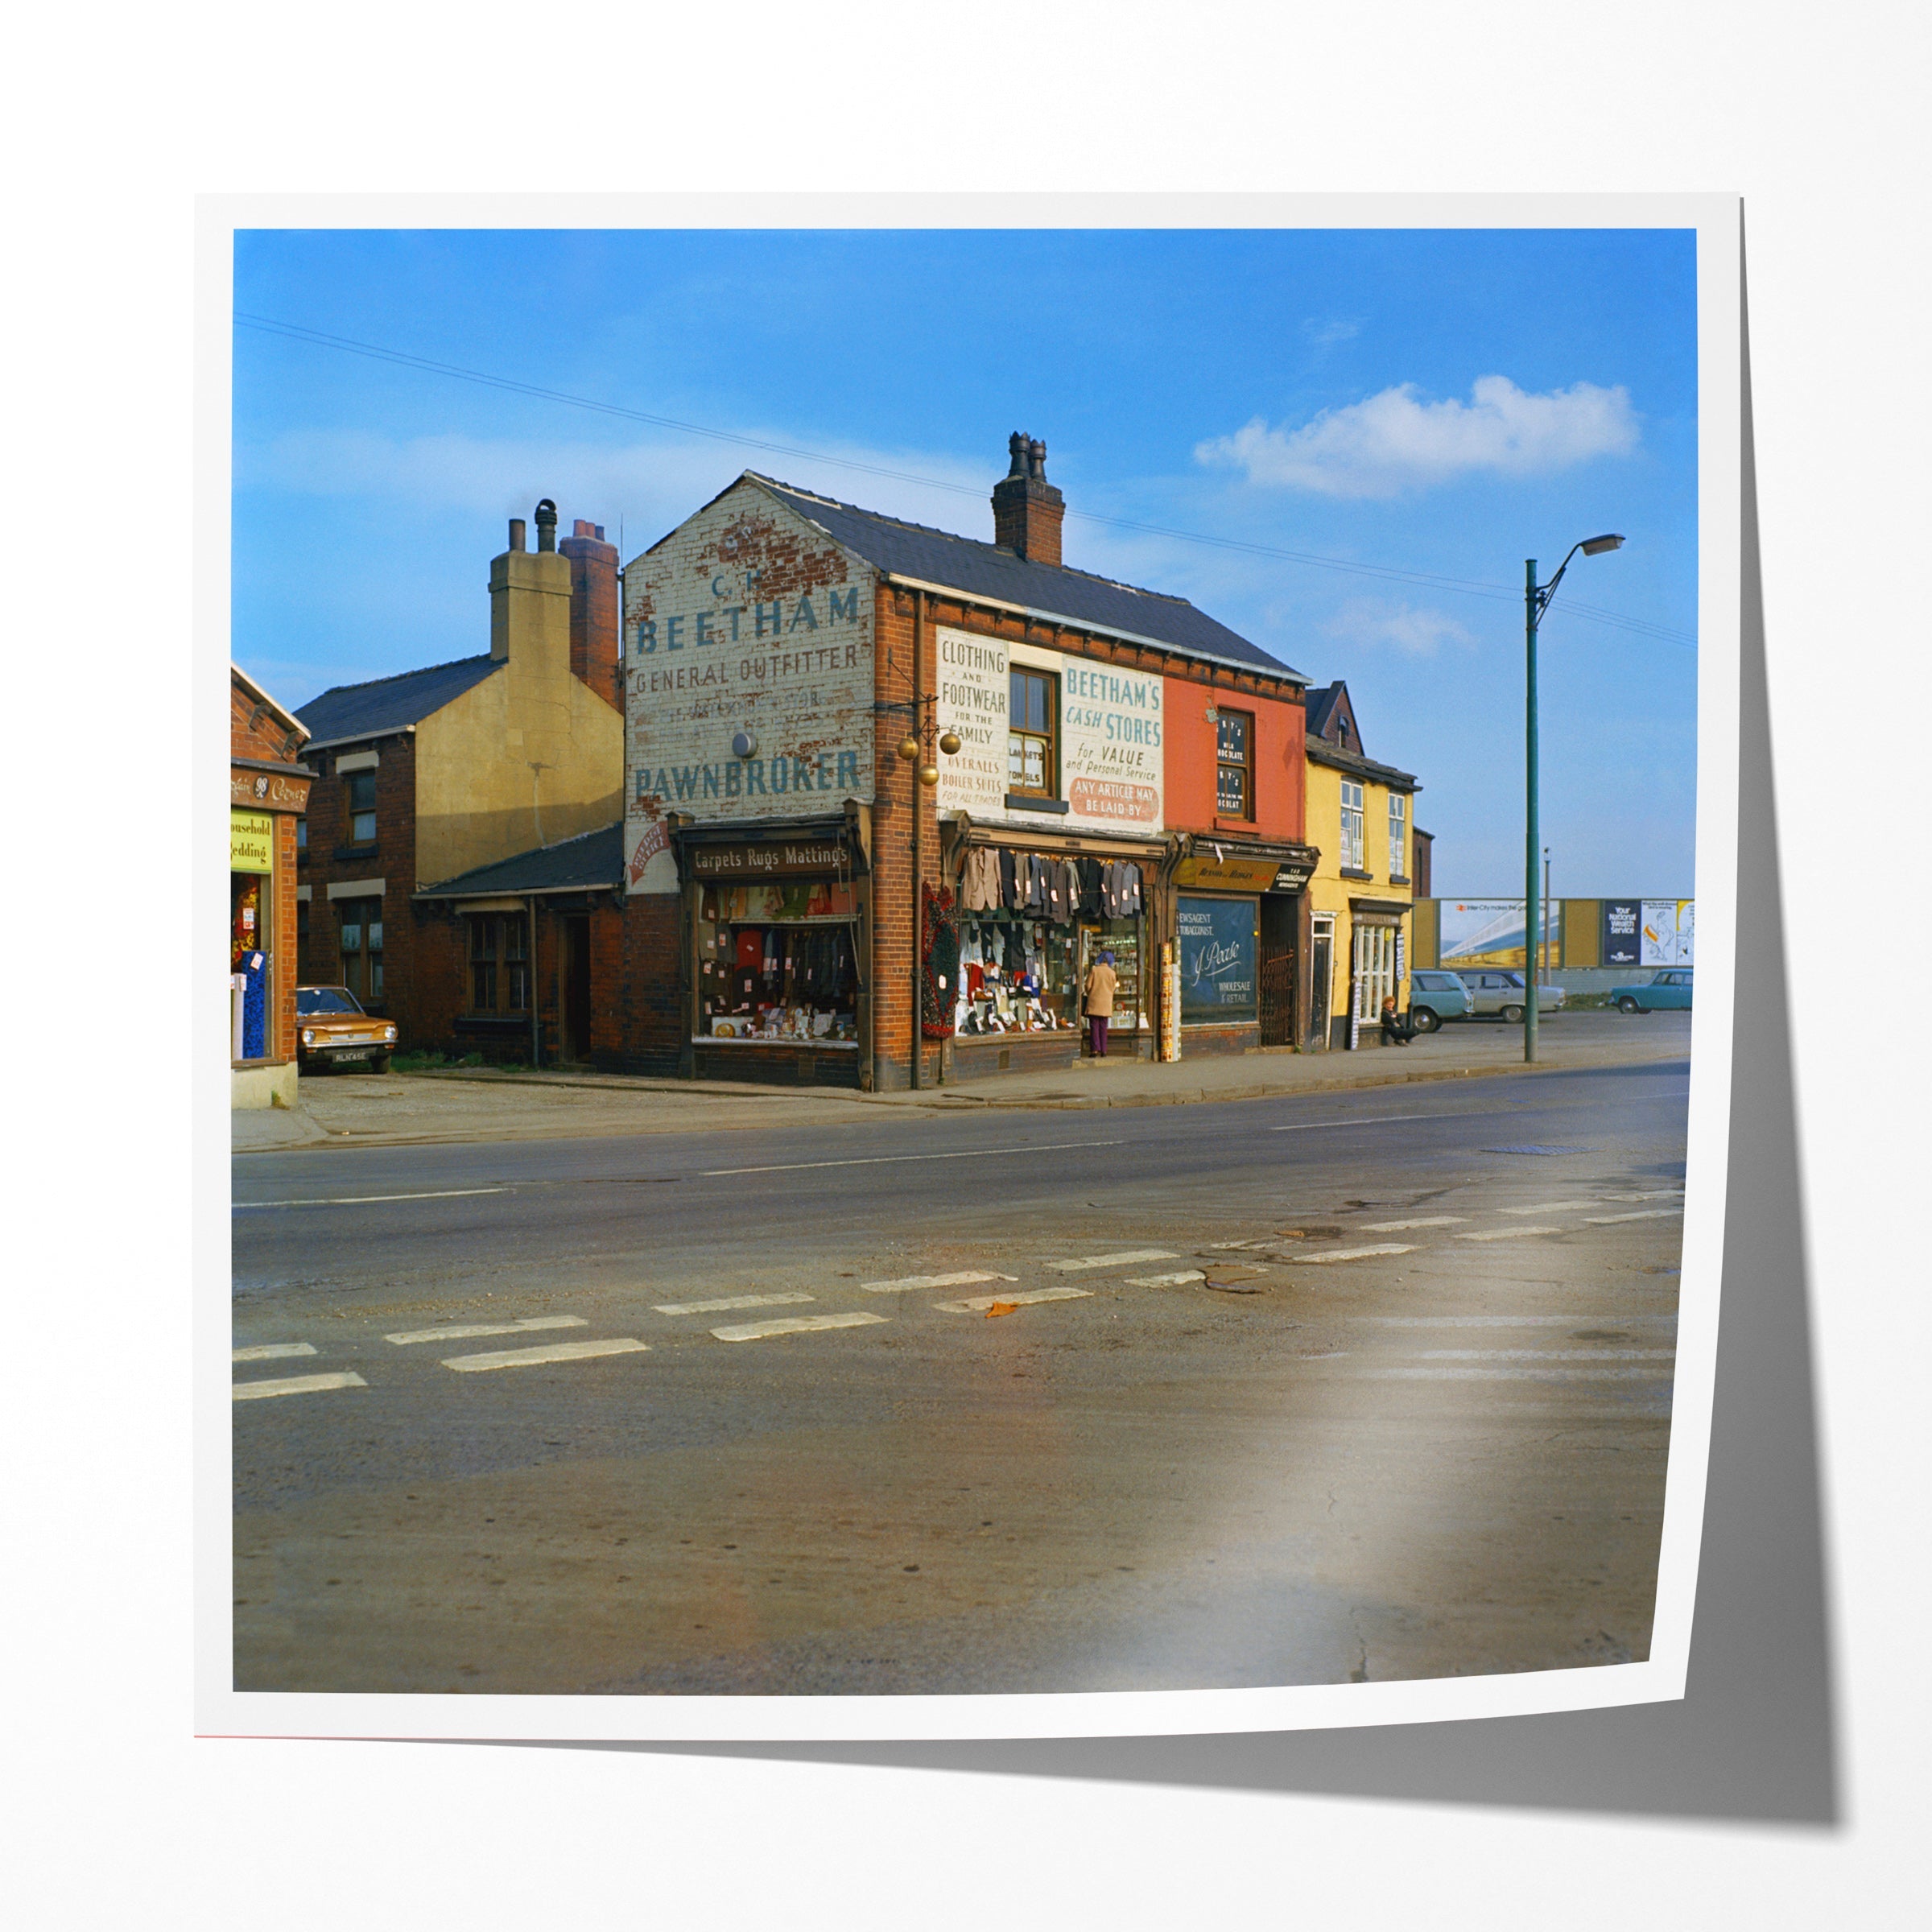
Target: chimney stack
1027 510
531 604
593 610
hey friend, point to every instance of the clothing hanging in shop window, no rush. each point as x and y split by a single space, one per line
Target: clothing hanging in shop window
979 884
1089 872
1009 887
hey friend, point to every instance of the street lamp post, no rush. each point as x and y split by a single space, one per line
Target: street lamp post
1542 959
1536 601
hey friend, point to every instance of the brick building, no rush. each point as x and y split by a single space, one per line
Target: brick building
268 790
887 791
437 774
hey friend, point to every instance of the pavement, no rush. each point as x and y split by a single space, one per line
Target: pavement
471 1104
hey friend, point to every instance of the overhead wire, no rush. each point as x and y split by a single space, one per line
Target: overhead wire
404 358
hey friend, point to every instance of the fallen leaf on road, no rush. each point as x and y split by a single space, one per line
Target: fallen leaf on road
1002 1308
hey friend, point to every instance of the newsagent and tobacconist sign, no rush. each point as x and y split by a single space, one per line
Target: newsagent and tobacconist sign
1215 945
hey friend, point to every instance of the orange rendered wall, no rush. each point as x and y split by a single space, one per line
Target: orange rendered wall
1279 768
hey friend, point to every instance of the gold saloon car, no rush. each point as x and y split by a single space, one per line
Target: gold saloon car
334 1031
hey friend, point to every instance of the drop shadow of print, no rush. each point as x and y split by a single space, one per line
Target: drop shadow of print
1755 1736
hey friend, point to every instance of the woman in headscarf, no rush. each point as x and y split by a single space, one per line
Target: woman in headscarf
1098 992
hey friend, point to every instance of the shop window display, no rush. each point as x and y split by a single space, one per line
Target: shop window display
1032 925
777 962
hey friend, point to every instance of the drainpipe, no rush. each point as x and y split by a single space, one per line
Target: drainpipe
536 1039
918 855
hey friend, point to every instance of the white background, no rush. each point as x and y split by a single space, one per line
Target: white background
117 1816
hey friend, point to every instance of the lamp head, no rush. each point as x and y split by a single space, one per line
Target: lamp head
1594 547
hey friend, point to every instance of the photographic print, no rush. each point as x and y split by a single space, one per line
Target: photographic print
961 967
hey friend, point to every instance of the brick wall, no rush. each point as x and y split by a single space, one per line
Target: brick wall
645 1022
1280 765
391 858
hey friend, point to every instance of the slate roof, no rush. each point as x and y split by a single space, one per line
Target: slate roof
936 556
592 862
1322 753
1321 701
359 711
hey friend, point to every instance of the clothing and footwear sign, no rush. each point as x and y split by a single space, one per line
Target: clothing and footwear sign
1106 735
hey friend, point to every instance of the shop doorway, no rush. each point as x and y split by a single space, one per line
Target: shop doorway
1276 969
574 1007
1321 997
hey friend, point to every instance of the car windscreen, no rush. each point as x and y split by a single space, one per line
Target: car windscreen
314 1000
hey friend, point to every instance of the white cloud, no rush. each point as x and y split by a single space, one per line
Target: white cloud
1372 622
1394 441
1329 330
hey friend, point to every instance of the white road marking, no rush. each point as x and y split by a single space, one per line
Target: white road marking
1506 1234
464 1331
1509 1321
1553 1208
1642 1214
1166 1280
1113 1261
557 1351
1433 1221
1549 1355
1513 1375
883 1160
794 1324
270 1351
722 1302
1653 1194
979 1303
964 1279
362 1200
1379 1120
1267 1241
297 1385
1358 1254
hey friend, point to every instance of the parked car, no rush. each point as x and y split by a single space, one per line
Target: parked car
1504 995
1436 997
332 1031
1667 992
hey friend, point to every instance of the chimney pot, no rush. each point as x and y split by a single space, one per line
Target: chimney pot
516 533
1027 510
546 525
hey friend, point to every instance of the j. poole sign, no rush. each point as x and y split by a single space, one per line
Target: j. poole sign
791 859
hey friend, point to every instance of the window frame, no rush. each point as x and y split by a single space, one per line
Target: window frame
1353 855
1398 837
1048 740
1244 766
500 971
353 814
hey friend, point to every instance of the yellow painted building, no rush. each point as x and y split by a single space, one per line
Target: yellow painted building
1361 817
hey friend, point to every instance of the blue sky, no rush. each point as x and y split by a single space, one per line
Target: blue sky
1441 404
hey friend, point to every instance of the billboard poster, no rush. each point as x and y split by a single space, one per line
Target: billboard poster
1217 948
1622 921
1490 932
1668 937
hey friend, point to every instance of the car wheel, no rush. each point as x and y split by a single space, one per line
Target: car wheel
1627 1004
1426 1021
379 1064
1513 1015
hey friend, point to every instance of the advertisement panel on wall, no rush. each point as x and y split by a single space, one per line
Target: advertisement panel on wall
1623 920
748 638
1107 743
1490 932
1217 954
1669 934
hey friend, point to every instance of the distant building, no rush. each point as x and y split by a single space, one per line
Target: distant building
1361 815
435 774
